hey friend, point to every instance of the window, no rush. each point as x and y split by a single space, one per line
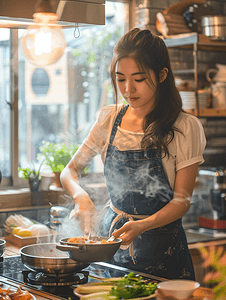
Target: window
4 102
56 103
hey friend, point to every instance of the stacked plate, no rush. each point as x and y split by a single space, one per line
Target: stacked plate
188 99
203 96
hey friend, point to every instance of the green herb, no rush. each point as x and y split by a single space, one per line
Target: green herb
30 172
132 286
56 155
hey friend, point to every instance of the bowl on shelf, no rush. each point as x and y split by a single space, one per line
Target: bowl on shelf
179 289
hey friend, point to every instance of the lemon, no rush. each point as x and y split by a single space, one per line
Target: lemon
16 230
24 233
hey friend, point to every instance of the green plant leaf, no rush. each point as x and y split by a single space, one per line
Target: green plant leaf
56 155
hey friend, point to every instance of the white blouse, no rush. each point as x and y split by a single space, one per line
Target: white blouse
184 150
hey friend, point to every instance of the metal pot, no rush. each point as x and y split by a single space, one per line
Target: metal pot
2 247
90 252
47 259
214 26
57 215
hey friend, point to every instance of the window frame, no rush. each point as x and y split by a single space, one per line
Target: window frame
13 181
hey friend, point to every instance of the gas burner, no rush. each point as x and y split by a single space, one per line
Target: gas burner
39 278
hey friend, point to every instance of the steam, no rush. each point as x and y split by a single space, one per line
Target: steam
144 182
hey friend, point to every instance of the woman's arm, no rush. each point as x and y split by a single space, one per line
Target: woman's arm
84 209
175 209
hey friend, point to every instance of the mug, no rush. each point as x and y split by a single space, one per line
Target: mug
216 75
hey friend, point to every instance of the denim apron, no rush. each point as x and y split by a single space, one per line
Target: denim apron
138 188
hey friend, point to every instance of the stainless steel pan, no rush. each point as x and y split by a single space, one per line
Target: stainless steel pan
90 252
49 260
2 247
214 26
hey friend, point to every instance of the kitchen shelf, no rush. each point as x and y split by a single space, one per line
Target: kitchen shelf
208 112
187 40
197 42
184 72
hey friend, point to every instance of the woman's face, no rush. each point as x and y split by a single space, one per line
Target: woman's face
134 85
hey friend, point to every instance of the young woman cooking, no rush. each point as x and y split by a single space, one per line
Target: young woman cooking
151 151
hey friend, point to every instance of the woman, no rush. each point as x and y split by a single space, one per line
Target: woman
151 151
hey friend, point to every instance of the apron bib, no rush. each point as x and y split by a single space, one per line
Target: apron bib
138 187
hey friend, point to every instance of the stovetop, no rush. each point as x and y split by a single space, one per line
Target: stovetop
13 270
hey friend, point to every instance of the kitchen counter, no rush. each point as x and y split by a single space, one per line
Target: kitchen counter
194 240
194 237
12 251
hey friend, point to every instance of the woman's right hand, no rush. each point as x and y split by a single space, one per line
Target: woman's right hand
85 212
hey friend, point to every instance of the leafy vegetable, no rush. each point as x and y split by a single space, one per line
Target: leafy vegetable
132 286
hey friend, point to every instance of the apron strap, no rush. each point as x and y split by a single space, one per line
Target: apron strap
117 122
121 214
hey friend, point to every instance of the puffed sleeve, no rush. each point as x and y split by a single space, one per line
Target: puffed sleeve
99 133
190 145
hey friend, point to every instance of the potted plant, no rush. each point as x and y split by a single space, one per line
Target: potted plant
33 177
56 156
34 180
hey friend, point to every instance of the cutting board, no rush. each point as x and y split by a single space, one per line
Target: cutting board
25 241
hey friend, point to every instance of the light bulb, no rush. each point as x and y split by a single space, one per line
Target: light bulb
43 42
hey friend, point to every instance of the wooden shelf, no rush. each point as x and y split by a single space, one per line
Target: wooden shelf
208 112
197 42
187 40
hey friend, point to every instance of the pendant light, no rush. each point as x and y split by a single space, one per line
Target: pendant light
43 42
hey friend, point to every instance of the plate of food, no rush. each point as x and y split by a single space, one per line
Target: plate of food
16 294
130 286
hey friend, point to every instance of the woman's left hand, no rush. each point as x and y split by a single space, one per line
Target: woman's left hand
128 232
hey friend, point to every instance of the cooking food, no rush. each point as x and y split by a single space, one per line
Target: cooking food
98 250
8 294
84 240
130 286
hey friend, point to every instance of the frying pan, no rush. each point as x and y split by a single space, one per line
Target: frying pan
90 252
47 259
2 247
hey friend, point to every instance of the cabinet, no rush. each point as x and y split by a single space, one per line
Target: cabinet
198 42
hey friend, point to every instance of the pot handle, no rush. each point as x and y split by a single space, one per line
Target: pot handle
68 248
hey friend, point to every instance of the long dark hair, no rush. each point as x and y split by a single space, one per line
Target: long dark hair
150 52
